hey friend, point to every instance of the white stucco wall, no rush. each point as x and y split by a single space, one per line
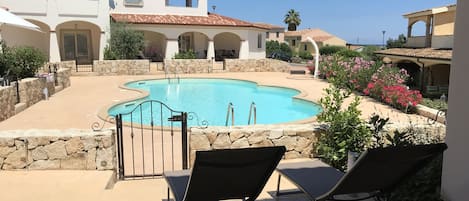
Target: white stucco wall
254 51
54 13
158 7
455 180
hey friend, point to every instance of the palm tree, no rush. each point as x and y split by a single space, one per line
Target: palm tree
292 18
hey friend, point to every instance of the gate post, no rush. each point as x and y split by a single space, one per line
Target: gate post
120 152
184 141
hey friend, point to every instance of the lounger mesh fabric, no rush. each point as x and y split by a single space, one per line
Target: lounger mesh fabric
225 174
376 171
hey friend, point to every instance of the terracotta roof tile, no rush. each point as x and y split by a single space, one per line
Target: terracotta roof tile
211 19
268 26
429 53
318 35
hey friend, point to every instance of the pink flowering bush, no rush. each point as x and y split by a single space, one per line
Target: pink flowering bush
383 82
400 97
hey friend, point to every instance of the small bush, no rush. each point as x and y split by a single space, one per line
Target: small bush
125 43
185 55
330 50
21 62
305 55
348 53
435 104
345 132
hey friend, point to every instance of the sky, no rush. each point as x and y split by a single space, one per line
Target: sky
356 21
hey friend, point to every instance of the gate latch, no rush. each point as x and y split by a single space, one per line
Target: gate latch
175 118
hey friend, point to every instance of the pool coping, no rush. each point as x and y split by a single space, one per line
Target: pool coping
103 112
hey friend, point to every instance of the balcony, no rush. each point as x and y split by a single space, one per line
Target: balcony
416 42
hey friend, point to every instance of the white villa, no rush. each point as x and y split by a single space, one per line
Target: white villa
79 30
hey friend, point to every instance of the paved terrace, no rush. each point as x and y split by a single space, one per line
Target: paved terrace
78 106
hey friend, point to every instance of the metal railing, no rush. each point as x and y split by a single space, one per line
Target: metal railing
252 113
230 110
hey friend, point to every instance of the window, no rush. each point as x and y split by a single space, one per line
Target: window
293 42
278 34
266 34
259 40
306 47
133 2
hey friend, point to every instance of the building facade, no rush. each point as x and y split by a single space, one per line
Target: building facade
427 58
79 30
297 40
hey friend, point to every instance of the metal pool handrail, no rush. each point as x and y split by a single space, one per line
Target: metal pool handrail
252 110
230 109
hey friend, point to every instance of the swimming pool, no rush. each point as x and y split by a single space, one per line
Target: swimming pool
209 99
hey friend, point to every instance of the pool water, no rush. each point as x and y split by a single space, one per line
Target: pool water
209 99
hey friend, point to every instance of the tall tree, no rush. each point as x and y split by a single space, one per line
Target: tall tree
292 18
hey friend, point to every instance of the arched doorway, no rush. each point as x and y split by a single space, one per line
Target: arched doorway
414 72
193 41
15 36
227 45
155 46
79 41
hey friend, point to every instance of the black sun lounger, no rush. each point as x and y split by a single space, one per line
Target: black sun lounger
377 171
225 174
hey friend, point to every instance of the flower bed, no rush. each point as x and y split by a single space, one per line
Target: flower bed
375 79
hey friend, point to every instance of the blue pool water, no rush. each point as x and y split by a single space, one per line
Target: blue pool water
209 98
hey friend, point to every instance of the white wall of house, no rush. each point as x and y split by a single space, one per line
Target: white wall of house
455 180
157 7
55 13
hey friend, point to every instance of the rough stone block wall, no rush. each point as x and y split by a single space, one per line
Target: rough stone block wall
7 102
63 77
298 139
31 90
188 66
256 65
57 149
122 67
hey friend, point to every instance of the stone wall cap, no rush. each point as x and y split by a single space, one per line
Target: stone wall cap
53 133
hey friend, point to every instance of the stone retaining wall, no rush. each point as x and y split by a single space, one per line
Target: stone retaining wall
188 66
7 102
299 139
57 149
256 65
121 67
30 91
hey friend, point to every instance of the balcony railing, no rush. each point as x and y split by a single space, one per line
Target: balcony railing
416 42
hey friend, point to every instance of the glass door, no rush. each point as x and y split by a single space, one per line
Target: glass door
76 46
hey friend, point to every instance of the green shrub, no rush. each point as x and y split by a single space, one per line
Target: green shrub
185 55
21 62
108 54
345 132
125 43
348 53
435 104
368 53
330 50
305 55
275 46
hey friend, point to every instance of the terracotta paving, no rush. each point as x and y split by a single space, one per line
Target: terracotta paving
78 105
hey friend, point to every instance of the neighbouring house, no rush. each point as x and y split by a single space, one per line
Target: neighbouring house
427 58
79 30
297 40
274 32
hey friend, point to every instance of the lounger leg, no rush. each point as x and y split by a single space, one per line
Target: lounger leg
168 194
278 185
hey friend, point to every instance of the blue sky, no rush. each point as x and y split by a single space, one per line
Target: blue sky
352 20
